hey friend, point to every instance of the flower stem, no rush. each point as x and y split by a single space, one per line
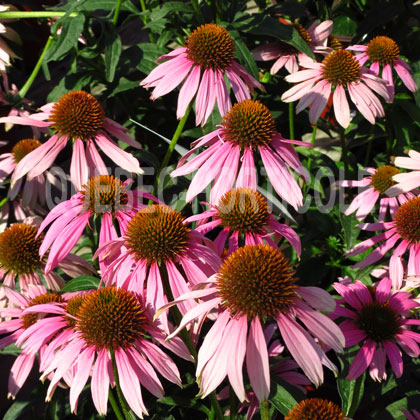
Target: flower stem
171 146
32 77
198 11
125 408
232 404
117 12
344 153
39 14
145 19
114 406
264 410
291 122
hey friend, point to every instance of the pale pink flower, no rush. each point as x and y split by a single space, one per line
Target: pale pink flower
245 218
286 55
384 54
414 415
103 196
88 350
404 228
254 285
157 238
406 181
246 129
6 32
77 117
204 62
377 183
379 320
338 72
19 327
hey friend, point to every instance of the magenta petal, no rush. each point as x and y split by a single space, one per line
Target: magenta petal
362 360
394 356
83 369
100 382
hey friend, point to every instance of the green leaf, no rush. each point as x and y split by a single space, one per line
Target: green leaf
81 283
112 55
71 82
16 410
150 54
71 29
245 56
351 393
343 25
12 350
93 5
123 85
283 399
350 232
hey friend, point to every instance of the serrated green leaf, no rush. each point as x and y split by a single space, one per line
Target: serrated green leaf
350 232
93 5
81 283
112 55
68 83
71 29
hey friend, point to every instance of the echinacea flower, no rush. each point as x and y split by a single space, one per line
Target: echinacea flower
405 226
110 329
20 261
245 218
407 181
103 196
77 117
285 54
379 319
5 31
206 59
338 72
156 238
384 54
414 415
13 329
316 409
246 129
377 184
255 285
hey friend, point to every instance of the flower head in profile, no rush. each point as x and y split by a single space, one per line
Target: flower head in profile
377 184
248 128
77 117
245 218
6 32
337 73
206 59
384 55
286 55
405 227
111 324
379 320
255 285
102 196
316 409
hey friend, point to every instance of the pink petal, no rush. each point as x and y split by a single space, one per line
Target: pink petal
78 169
362 360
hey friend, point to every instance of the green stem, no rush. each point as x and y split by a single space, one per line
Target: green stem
114 406
171 146
117 12
291 122
314 129
232 404
32 77
198 11
264 410
215 404
344 153
43 14
125 408
3 202
144 20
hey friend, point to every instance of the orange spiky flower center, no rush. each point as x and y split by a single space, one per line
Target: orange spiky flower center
157 233
111 318
407 220
340 68
19 249
383 50
256 280
381 180
210 46
248 123
315 409
24 147
334 43
77 114
30 319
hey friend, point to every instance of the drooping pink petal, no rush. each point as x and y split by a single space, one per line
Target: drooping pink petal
394 356
341 106
188 91
100 381
362 360
78 169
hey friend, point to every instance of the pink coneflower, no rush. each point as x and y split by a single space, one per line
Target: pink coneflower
286 55
245 219
377 184
109 330
103 196
414 415
18 325
205 60
406 181
338 72
379 319
384 54
156 238
79 117
405 226
5 52
316 409
246 128
254 285
20 261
